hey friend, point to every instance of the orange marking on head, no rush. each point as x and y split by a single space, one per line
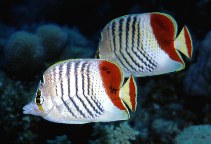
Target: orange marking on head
112 79
188 41
132 94
163 29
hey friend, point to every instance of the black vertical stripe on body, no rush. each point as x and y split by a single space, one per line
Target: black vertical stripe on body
76 77
128 29
66 103
113 26
62 91
152 65
88 79
76 88
138 44
120 43
85 67
133 39
68 79
99 107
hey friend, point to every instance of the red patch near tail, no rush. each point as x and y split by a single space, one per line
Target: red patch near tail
132 94
112 79
188 41
163 29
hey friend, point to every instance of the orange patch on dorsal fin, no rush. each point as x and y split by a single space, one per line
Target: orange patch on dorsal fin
112 80
164 28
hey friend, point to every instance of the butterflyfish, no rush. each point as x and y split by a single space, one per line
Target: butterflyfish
83 90
145 44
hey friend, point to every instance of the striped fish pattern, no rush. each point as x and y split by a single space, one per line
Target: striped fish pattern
81 91
145 44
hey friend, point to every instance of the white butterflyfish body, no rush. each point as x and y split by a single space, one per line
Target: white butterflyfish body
82 91
145 44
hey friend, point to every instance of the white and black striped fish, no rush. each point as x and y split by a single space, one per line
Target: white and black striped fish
145 44
82 91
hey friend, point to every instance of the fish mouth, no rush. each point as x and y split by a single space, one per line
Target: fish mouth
32 109
27 108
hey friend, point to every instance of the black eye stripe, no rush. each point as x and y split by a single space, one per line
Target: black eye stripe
39 98
38 93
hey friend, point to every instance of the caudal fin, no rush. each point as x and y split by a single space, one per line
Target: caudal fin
128 93
183 42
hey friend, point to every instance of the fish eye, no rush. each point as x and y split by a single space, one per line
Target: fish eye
39 99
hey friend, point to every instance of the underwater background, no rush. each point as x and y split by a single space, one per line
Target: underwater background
173 108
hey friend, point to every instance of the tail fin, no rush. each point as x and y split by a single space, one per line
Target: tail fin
128 93
183 42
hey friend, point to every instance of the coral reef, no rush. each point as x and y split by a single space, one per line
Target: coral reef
59 140
53 38
5 32
14 126
78 46
110 134
196 134
165 128
24 55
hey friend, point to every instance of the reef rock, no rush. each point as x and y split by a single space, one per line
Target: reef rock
198 78
24 55
53 38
